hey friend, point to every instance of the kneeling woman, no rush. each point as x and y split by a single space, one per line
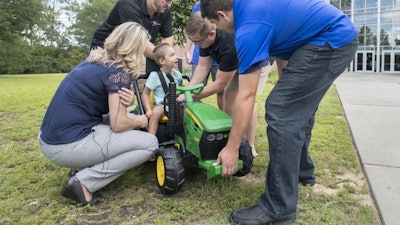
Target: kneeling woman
73 134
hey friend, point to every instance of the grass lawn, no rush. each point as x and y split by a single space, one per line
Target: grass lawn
30 185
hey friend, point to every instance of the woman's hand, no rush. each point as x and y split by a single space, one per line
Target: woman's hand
126 96
142 121
180 98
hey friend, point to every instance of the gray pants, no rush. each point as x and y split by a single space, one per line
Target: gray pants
103 155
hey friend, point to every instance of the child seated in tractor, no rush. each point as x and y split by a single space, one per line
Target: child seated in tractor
168 61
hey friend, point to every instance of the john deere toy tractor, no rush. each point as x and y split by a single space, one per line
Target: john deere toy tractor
193 135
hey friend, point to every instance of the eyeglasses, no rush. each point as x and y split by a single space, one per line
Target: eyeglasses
199 41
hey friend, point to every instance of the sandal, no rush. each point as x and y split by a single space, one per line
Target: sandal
254 152
73 190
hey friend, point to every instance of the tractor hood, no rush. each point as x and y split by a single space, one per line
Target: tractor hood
208 117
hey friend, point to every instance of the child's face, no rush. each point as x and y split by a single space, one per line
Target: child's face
171 59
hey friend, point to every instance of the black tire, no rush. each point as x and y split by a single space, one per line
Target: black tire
246 156
169 170
162 133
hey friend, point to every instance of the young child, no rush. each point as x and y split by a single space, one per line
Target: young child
168 61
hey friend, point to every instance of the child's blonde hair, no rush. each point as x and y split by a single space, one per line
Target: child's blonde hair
124 48
159 51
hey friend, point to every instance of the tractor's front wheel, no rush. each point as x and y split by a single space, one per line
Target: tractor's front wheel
170 170
246 156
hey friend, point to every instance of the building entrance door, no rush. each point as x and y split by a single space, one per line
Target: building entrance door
365 61
391 61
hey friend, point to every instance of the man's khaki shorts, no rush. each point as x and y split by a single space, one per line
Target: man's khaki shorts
263 78
233 85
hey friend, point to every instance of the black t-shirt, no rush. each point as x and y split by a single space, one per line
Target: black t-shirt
223 51
135 10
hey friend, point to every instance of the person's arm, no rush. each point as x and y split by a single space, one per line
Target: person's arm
188 51
201 71
199 74
148 51
146 101
119 121
221 81
243 109
170 40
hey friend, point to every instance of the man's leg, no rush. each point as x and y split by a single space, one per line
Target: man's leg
251 129
290 106
220 100
220 95
230 94
306 172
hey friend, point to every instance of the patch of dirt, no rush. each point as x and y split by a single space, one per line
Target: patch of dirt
357 181
250 178
100 217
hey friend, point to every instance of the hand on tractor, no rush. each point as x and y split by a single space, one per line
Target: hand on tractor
180 98
228 158
126 96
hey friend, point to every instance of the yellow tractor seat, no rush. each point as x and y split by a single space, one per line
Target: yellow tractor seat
163 119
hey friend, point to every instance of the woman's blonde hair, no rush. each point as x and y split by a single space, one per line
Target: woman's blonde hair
123 48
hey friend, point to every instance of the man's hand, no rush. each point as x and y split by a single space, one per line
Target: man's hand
228 158
180 98
126 96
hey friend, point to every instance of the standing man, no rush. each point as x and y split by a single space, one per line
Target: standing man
153 15
319 42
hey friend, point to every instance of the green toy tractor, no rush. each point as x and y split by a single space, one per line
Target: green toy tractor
193 135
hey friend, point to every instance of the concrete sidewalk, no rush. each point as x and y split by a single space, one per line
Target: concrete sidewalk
372 106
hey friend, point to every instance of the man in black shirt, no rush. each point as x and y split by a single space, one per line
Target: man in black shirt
219 46
153 15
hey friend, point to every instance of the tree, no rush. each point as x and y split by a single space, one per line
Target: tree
50 26
384 38
18 18
89 16
366 37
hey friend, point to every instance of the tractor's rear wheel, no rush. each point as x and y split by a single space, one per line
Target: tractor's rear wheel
246 156
169 170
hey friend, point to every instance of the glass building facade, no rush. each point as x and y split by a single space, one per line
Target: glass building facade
378 25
